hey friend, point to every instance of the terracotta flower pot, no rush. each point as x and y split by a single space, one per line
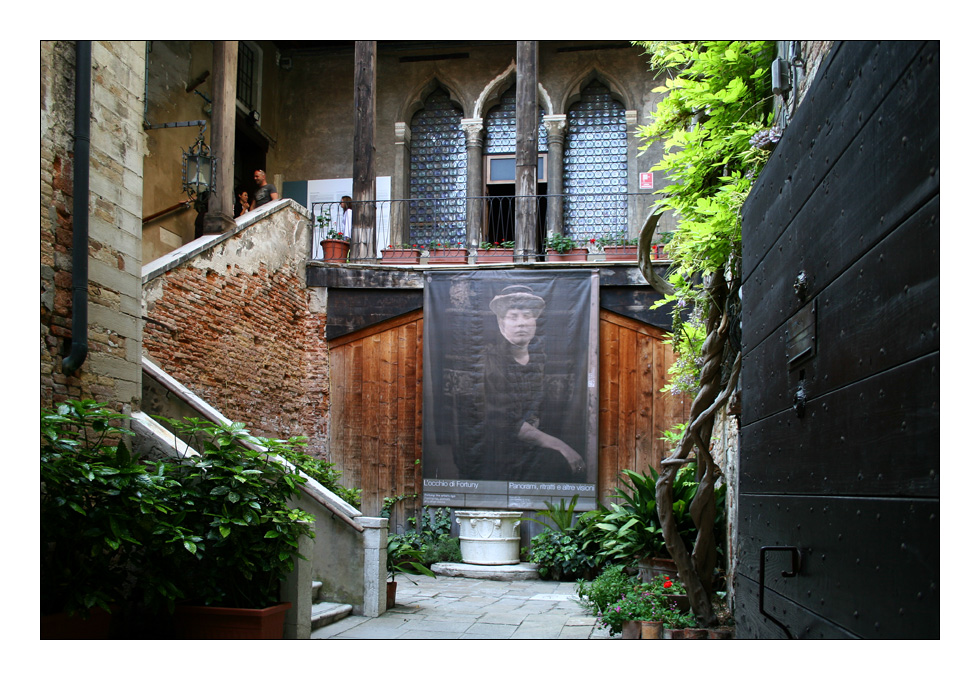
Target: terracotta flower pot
652 567
401 255
334 250
392 588
447 256
573 255
643 630
494 255
620 253
229 623
61 626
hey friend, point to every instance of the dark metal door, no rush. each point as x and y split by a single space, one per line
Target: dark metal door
839 461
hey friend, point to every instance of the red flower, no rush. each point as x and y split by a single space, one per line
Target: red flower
668 584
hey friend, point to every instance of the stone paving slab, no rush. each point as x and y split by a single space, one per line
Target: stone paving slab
464 608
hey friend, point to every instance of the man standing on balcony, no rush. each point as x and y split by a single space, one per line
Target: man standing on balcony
266 193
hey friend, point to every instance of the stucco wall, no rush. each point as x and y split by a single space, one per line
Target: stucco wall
111 371
316 106
173 66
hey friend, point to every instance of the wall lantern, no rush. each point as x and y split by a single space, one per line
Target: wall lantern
198 168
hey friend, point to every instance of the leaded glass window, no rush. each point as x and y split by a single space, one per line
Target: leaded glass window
437 176
501 126
595 174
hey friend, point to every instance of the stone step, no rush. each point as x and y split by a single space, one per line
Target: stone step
316 590
325 613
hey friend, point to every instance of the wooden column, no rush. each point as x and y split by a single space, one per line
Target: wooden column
526 186
220 213
362 236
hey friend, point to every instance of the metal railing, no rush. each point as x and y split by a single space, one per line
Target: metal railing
590 220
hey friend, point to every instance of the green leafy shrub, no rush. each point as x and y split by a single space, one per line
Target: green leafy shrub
404 557
565 551
104 515
559 556
632 526
616 597
322 471
431 533
606 588
560 243
631 529
235 501
215 528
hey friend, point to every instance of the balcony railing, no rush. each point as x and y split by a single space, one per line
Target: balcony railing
588 219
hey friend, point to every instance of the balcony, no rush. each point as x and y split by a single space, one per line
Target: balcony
414 231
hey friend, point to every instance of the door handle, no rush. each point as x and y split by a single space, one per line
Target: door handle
796 557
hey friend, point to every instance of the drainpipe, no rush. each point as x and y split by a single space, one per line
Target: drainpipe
79 212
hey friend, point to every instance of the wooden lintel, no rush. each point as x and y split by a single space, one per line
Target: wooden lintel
327 276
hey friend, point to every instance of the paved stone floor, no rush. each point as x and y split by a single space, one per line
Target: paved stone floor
460 608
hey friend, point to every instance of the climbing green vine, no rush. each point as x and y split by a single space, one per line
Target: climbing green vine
714 121
716 105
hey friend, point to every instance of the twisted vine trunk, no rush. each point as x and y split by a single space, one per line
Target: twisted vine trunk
696 567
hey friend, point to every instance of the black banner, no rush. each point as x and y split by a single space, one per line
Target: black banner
509 394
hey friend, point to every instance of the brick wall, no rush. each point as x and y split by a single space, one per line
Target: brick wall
111 371
236 324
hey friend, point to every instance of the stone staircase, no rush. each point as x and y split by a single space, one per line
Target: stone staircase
325 613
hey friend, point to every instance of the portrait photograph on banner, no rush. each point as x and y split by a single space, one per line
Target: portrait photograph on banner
509 388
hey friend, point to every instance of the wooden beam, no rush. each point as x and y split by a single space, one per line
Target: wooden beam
526 208
362 237
219 217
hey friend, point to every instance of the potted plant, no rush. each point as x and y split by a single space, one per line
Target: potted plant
637 609
564 249
564 551
632 526
241 533
446 253
401 254
619 248
501 251
336 246
403 558
661 246
103 517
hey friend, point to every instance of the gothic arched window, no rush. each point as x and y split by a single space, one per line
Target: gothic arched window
595 172
437 174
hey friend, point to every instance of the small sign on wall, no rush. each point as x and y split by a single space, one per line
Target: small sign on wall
646 180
